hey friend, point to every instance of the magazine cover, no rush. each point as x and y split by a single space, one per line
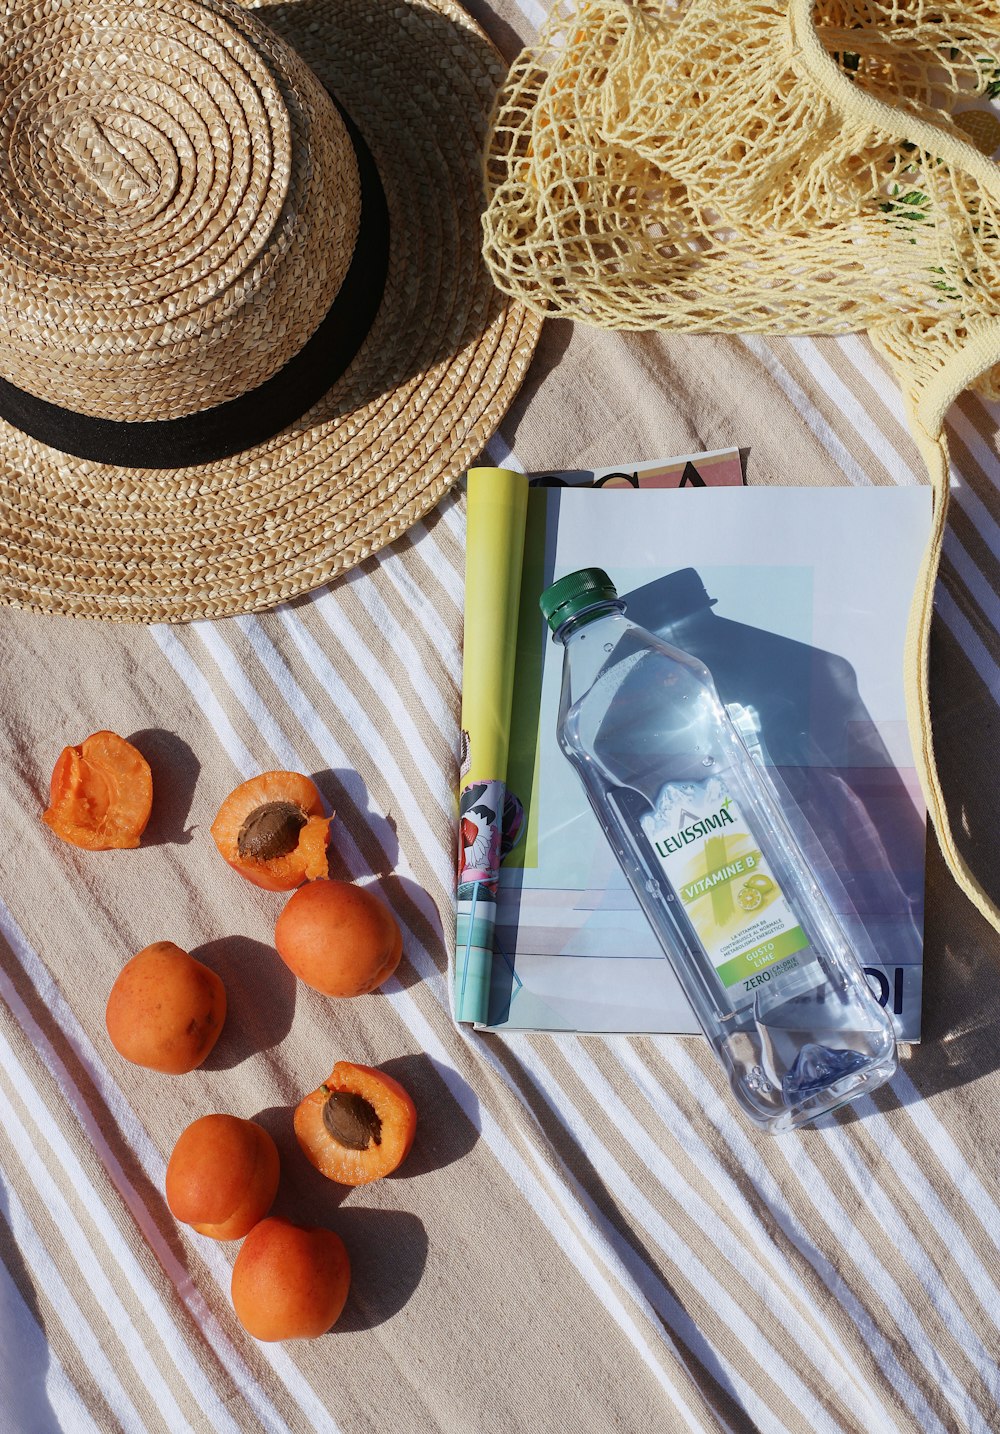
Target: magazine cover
796 599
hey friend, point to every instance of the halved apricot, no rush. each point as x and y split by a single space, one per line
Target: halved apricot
222 1176
357 1126
101 794
272 830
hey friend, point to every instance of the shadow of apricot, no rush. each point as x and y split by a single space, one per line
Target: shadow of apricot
437 1143
175 769
347 796
304 1195
388 1253
247 967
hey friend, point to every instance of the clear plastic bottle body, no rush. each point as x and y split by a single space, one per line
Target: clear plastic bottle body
715 867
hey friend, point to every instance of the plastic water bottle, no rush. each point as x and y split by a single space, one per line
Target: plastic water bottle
727 889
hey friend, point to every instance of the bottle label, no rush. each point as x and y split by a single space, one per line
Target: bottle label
725 884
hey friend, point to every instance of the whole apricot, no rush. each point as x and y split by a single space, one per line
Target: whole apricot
222 1176
290 1281
338 938
165 1010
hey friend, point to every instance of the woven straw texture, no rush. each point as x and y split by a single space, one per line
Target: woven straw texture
179 202
753 165
175 236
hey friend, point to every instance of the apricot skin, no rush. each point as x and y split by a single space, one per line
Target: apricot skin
165 1010
222 1176
290 1281
339 938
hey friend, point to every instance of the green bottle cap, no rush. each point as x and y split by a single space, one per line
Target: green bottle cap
576 591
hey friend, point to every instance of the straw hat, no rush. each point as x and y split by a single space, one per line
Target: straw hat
246 333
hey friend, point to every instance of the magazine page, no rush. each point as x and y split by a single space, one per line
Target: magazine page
796 599
489 818
490 812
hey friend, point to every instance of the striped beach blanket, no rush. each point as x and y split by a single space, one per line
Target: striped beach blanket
586 1236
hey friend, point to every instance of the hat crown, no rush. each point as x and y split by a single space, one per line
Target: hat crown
179 203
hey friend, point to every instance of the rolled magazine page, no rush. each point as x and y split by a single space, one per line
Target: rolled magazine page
489 816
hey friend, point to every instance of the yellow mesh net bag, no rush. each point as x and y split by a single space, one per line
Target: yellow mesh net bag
770 166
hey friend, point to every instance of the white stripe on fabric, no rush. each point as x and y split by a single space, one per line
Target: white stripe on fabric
718 1178
986 597
738 1142
435 708
154 1167
376 741
413 1018
501 454
399 573
451 580
862 359
846 1380
67 1311
175 653
960 1251
847 464
845 1230
985 457
27 1148
948 1155
874 1197
878 444
36 1394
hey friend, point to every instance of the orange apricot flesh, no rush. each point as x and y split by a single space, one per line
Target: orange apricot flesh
272 829
165 1010
100 794
357 1126
222 1176
290 1281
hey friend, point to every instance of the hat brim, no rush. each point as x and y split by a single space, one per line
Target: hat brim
429 385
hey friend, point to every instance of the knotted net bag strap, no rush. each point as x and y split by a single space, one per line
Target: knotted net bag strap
927 424
934 361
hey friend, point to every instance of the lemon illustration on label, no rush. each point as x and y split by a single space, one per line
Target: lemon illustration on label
763 884
749 897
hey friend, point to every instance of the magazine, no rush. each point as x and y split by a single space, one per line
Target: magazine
796 599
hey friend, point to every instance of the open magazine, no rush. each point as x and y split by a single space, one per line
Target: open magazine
796 599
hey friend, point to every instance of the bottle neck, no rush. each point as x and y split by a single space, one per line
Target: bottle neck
604 608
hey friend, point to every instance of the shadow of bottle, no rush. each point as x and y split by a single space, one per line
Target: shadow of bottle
841 790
